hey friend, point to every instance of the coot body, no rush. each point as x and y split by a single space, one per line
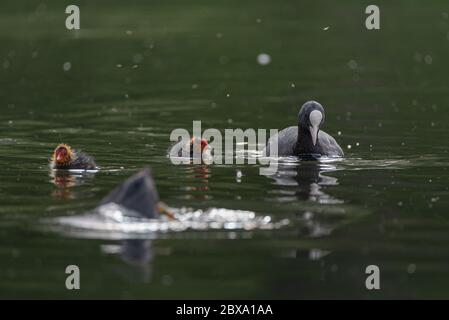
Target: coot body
306 140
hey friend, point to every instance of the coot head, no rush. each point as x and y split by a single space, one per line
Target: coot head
62 155
311 118
198 146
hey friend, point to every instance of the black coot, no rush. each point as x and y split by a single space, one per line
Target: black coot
138 194
306 140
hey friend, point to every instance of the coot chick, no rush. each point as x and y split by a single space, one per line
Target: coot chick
66 158
139 195
195 148
306 140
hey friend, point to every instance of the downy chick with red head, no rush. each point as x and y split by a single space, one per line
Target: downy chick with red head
66 158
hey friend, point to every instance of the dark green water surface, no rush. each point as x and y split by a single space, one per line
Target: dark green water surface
136 71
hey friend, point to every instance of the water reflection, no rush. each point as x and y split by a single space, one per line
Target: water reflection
198 184
307 178
134 252
64 180
305 181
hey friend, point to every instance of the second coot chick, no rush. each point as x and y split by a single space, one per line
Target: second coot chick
306 140
194 148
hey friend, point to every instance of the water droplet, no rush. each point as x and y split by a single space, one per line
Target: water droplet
238 174
428 59
308 215
352 64
263 59
67 66
411 268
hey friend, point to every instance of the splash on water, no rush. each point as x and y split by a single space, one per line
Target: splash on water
122 223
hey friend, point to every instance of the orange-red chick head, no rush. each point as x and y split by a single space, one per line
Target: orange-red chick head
63 154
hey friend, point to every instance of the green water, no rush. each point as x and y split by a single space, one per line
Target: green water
140 70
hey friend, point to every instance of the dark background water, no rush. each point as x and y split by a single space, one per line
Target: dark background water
141 69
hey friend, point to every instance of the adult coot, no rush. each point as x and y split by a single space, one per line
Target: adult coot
306 140
66 158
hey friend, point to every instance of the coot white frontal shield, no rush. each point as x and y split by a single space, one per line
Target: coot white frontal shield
315 118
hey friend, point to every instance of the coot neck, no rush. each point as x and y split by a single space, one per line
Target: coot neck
304 142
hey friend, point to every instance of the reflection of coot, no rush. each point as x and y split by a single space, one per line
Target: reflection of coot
304 182
305 140
137 251
64 180
308 177
198 183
